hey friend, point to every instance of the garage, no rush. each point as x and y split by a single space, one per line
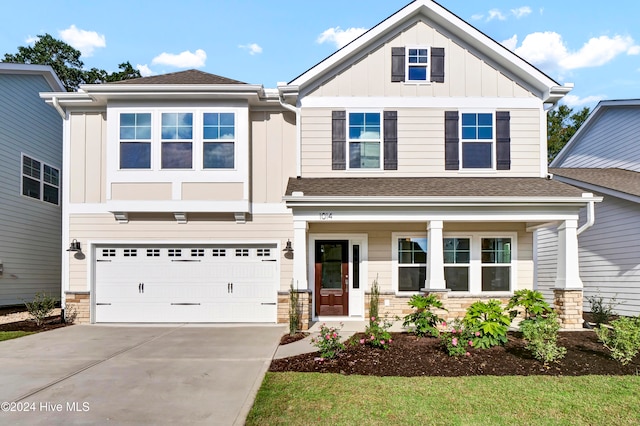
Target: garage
199 284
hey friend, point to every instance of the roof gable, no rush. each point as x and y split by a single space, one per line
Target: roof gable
33 69
182 77
437 16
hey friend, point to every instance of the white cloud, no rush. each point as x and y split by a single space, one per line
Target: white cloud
184 59
145 71
573 101
85 41
477 16
339 36
31 39
549 52
510 43
521 11
253 48
496 14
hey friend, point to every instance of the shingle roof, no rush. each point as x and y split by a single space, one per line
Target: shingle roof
182 77
620 180
431 187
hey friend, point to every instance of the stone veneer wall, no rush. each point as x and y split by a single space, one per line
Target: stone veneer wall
304 305
568 305
80 302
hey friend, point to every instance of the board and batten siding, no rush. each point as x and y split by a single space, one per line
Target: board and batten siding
466 74
30 230
202 229
609 256
421 148
621 151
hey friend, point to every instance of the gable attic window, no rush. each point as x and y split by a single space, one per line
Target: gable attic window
417 64
40 181
135 141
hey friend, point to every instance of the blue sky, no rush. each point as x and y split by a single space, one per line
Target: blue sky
595 45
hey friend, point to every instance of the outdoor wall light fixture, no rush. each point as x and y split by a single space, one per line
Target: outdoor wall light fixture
288 248
74 246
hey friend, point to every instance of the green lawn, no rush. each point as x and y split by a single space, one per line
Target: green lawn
6 335
332 399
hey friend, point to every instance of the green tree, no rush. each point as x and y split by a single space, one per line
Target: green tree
66 62
562 124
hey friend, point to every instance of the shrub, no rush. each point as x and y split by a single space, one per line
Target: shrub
622 339
70 314
328 342
41 307
294 310
488 323
374 299
601 312
541 335
456 341
532 301
377 333
424 321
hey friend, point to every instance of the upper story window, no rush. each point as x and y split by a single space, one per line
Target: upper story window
364 140
177 140
40 181
417 64
135 141
477 141
219 134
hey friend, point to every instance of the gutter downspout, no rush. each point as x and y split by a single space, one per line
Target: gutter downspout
591 216
296 111
56 105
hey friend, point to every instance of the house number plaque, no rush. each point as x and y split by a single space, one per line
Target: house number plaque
326 215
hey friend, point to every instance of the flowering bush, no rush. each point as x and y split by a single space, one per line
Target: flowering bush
377 333
457 340
328 342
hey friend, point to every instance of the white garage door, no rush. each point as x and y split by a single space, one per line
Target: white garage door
186 284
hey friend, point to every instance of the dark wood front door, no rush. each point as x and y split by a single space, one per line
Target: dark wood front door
332 278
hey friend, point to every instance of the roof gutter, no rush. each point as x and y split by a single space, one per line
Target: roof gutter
591 216
56 105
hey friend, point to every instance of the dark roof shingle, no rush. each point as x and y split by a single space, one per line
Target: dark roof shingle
182 77
626 181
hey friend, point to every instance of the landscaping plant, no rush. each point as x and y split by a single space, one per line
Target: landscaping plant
374 299
457 340
601 312
425 321
377 333
41 307
488 323
622 339
531 300
328 342
541 334
294 310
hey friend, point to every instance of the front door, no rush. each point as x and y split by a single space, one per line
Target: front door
332 278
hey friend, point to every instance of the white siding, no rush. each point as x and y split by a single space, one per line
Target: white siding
30 230
547 250
598 149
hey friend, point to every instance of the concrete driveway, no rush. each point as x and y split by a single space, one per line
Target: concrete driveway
169 374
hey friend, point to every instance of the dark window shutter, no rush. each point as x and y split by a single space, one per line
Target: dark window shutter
391 140
397 64
437 64
503 140
451 141
338 140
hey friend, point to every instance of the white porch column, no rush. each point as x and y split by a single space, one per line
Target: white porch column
300 254
568 272
435 257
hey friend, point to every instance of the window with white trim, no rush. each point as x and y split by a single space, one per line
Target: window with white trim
177 140
412 263
40 180
496 264
135 141
457 260
364 140
477 139
219 134
417 64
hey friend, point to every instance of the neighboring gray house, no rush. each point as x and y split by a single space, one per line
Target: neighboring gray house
603 157
30 166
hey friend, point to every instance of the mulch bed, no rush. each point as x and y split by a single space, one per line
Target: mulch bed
50 323
287 338
409 356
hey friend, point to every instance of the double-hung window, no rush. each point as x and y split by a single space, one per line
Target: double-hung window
477 140
457 260
40 181
412 263
496 264
135 140
417 64
218 140
364 140
177 140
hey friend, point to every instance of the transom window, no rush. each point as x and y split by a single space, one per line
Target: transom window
412 263
219 133
477 140
364 140
417 64
40 181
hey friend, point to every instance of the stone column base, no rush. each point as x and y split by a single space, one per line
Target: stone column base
78 303
568 306
304 308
